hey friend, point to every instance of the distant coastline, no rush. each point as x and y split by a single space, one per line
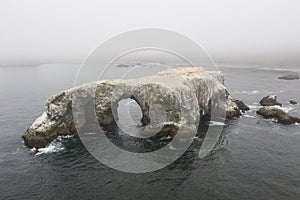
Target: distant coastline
221 65
263 67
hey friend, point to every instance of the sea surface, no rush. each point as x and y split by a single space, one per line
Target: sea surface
258 158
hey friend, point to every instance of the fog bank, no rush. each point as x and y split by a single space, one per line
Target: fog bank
257 32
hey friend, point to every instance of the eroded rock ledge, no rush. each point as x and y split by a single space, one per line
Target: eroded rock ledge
185 93
281 116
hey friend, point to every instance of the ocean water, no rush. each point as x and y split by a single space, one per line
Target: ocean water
258 158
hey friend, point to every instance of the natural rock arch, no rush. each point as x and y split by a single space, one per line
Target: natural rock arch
148 97
185 94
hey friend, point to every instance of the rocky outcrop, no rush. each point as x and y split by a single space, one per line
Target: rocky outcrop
270 100
289 77
185 94
281 116
293 102
270 111
242 106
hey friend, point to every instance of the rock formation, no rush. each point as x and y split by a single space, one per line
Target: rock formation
242 106
270 100
281 116
186 95
293 102
289 77
269 111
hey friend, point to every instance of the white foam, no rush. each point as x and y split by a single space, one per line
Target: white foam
250 92
33 150
249 116
285 109
254 107
215 123
171 147
53 147
64 137
89 133
253 92
17 151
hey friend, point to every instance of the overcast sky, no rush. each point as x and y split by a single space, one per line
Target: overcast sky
266 32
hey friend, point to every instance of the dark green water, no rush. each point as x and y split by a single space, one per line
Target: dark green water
259 159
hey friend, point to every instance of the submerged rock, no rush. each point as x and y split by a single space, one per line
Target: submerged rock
289 77
281 116
270 100
293 102
185 94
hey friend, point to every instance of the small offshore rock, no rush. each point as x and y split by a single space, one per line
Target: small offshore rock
293 102
122 65
280 115
290 77
270 100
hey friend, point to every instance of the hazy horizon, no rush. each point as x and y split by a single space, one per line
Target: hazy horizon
233 32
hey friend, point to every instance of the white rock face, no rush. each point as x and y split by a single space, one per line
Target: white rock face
186 94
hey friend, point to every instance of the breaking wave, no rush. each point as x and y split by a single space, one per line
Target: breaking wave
248 116
53 147
285 109
254 92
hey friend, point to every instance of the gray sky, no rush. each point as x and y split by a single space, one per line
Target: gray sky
263 32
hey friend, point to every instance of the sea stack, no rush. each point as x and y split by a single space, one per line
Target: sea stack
188 90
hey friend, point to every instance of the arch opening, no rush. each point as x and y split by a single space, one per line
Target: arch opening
129 117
